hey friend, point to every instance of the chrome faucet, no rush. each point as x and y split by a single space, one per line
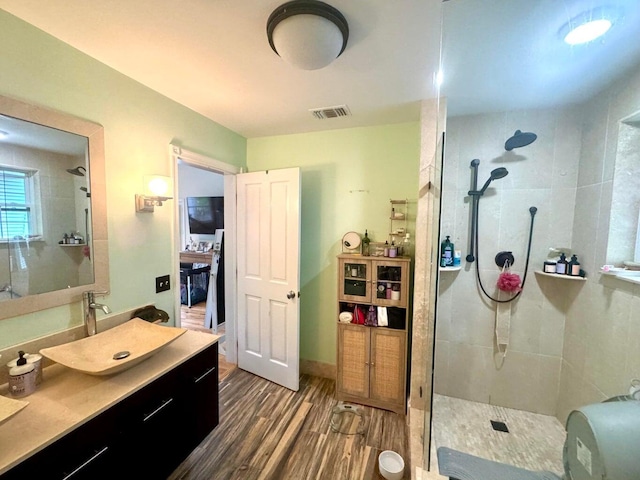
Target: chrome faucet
90 306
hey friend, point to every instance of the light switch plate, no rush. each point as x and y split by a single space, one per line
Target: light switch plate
162 283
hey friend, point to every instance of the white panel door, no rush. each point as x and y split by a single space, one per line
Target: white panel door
268 249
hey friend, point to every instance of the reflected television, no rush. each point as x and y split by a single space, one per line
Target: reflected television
206 214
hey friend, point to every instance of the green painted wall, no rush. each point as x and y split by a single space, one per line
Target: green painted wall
139 126
348 178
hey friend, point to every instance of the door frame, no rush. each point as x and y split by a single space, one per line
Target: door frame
179 154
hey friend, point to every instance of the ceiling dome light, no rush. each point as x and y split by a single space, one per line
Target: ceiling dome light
587 32
308 34
588 26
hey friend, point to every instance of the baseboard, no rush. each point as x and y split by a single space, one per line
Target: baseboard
318 369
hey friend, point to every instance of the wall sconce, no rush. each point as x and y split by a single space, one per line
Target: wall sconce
156 187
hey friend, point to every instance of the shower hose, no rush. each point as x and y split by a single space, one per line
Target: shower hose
532 211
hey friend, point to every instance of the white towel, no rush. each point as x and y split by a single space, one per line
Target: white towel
503 323
382 317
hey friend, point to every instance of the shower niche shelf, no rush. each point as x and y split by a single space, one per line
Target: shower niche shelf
560 276
449 269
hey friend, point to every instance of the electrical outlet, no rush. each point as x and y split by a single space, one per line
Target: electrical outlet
162 284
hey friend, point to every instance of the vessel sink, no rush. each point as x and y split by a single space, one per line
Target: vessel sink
114 350
9 407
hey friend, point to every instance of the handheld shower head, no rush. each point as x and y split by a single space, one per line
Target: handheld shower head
519 139
497 173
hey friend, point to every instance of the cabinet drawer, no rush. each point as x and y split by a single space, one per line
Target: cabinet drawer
84 453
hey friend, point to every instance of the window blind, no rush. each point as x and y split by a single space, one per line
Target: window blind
15 209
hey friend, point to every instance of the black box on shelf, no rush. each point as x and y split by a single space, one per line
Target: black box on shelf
355 287
396 318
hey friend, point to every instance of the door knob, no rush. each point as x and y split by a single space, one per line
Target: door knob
291 295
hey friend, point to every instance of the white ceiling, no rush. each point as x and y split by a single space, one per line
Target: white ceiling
213 56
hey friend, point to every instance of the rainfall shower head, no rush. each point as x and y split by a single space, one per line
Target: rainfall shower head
497 173
520 139
77 171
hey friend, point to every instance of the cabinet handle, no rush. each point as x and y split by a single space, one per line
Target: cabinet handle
163 405
212 369
373 364
86 463
366 363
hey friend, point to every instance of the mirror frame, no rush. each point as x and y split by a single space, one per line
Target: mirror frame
99 247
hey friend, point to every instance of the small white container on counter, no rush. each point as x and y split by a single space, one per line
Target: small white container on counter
22 378
34 359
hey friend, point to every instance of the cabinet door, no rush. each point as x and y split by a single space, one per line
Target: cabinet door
201 394
390 283
354 284
155 416
353 360
388 360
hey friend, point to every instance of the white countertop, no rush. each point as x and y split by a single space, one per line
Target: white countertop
67 399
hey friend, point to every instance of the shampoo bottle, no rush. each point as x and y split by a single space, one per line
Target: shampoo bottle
562 264
574 266
446 253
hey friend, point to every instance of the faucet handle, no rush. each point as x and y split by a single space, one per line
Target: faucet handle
89 294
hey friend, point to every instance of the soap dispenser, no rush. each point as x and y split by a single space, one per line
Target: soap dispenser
574 266
22 377
562 264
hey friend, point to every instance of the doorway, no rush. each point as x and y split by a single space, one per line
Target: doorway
198 176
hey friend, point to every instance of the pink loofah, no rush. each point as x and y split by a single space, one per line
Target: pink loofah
509 282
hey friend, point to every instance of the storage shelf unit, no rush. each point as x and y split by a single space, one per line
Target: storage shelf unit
372 360
397 220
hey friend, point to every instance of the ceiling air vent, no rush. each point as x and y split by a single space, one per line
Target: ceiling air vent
330 112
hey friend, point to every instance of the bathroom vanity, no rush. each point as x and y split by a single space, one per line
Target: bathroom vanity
140 423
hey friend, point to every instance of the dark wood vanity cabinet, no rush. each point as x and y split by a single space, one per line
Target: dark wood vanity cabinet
146 435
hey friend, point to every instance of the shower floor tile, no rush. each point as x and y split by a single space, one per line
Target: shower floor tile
534 441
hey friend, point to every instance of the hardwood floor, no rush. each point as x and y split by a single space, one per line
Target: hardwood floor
267 431
193 319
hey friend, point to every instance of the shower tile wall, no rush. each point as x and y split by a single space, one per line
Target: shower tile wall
601 348
543 174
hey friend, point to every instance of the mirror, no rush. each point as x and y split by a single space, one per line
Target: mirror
53 235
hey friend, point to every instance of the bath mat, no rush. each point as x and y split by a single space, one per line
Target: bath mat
462 466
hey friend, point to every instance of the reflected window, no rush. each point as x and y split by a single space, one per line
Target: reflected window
19 204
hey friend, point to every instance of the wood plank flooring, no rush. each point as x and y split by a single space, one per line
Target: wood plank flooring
260 420
193 319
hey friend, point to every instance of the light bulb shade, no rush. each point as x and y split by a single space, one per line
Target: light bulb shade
157 185
308 34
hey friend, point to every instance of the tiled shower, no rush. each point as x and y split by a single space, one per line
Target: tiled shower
571 343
